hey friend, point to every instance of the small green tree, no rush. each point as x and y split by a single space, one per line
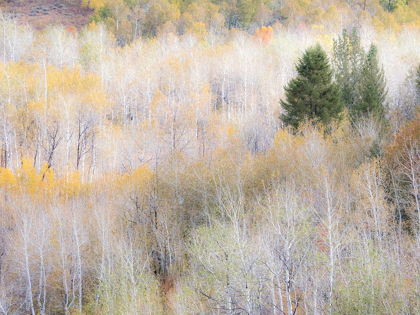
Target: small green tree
348 57
312 95
371 88
418 80
246 10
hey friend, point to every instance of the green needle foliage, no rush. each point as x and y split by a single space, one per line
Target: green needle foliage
312 95
348 57
418 80
372 88
361 79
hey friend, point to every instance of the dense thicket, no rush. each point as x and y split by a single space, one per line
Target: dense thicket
155 178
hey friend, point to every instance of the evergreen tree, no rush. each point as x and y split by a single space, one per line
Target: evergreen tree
348 57
418 80
246 10
312 95
371 88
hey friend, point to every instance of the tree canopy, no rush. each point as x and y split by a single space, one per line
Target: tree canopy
371 87
312 95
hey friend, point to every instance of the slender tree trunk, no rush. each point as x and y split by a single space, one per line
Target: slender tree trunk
79 266
25 237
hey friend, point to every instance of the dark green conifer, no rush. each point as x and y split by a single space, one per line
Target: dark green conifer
371 88
348 57
312 95
246 10
418 80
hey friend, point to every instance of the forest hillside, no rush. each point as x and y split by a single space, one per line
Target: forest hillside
209 157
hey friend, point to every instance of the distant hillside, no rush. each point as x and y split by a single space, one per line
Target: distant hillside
40 13
131 19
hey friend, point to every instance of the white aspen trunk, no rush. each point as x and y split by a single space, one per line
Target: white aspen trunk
41 285
16 166
68 136
228 297
331 251
39 153
101 52
93 166
6 143
28 281
273 295
288 287
44 64
104 227
280 295
373 193
63 258
79 266
6 134
44 124
413 177
27 266
82 168
149 101
245 94
4 39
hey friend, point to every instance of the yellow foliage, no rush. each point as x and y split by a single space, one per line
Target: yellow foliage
48 179
232 131
85 90
200 30
283 137
158 98
28 180
139 180
327 40
71 185
405 15
28 177
377 24
92 26
319 27
142 175
7 178
93 4
37 106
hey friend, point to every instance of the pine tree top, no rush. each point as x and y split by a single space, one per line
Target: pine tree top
312 95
